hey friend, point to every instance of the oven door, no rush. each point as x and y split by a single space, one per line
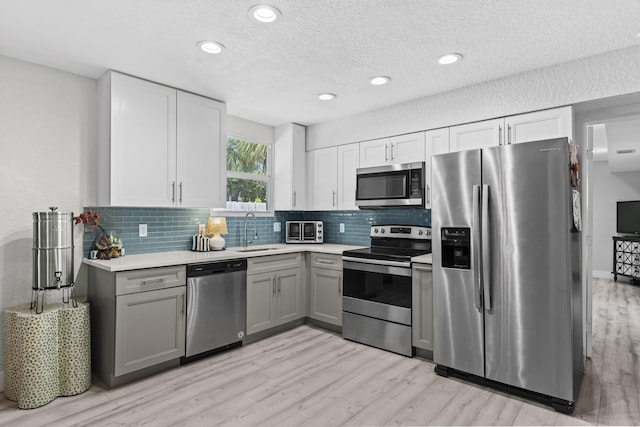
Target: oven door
378 289
294 232
309 231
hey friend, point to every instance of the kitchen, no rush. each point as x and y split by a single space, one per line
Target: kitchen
64 105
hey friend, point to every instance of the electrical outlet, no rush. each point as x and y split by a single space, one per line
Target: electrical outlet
142 230
341 227
276 227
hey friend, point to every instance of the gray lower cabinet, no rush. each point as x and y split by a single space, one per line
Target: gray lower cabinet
326 288
422 306
137 321
274 295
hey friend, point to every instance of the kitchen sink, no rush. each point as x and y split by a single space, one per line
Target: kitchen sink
255 249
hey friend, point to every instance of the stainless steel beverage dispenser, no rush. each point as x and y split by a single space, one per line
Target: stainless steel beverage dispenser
52 255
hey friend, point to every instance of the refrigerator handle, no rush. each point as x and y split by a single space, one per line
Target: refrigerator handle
475 238
486 248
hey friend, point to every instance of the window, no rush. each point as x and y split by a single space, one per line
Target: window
248 178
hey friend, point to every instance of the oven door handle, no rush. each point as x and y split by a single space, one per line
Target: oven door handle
404 264
369 267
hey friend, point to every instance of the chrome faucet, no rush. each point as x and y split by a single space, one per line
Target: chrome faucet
255 229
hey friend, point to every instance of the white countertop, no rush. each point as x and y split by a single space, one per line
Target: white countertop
163 259
422 259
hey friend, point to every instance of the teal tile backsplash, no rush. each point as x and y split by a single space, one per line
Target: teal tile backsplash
171 229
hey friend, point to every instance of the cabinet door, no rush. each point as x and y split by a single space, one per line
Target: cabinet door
323 189
436 142
261 294
202 152
374 153
407 148
143 143
326 296
422 306
348 162
289 171
150 329
476 135
554 123
288 288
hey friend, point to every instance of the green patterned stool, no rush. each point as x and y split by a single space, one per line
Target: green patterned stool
46 355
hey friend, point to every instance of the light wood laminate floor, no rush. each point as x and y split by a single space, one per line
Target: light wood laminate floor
311 377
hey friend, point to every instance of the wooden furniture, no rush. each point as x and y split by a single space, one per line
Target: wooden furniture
138 321
626 257
46 355
326 288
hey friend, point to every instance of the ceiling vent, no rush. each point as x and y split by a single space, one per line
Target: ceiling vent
623 140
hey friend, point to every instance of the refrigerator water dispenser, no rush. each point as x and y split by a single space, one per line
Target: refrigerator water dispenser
456 248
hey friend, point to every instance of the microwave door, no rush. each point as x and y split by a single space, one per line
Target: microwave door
383 186
294 232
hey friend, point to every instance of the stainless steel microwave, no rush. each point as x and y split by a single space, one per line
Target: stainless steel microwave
400 185
304 232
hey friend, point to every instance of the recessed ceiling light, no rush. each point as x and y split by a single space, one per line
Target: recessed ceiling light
449 58
264 13
380 80
209 46
326 96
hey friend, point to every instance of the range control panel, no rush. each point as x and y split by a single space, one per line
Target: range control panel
401 231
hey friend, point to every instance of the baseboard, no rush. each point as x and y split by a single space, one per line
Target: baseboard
602 274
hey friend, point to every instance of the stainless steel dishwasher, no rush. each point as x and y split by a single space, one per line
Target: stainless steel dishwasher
216 306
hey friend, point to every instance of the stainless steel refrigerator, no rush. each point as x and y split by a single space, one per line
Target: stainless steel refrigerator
506 269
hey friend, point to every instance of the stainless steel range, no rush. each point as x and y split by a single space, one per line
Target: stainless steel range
376 302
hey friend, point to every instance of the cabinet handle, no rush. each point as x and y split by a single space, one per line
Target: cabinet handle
294 199
427 269
183 304
509 134
279 284
180 192
153 280
339 285
333 198
392 156
173 192
386 154
499 135
322 261
428 194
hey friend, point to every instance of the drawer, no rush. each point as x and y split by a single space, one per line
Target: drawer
149 279
330 261
269 263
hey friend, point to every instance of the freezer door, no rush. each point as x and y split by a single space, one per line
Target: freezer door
527 229
457 308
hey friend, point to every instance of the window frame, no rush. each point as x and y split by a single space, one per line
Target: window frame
267 178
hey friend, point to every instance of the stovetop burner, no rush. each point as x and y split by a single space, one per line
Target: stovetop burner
395 243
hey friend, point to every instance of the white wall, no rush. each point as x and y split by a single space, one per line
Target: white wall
608 188
48 145
243 128
601 76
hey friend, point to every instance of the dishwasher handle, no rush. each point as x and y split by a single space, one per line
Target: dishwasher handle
207 269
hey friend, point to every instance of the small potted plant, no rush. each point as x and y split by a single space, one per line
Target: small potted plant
108 244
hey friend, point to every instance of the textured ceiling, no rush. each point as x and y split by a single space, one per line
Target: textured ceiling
272 73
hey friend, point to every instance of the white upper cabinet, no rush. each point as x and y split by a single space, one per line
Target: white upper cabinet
397 149
201 175
436 142
158 146
483 134
546 124
322 187
289 171
348 162
407 148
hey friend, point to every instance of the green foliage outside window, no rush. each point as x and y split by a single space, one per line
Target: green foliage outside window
245 157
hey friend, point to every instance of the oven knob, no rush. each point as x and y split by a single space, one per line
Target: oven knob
375 230
420 232
382 231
